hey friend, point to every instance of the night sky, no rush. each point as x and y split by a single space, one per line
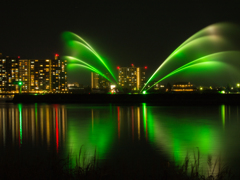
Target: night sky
123 32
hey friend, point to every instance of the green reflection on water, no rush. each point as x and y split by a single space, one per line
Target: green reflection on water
223 115
151 125
94 132
36 112
145 120
178 136
20 122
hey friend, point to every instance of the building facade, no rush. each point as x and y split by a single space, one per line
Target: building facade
132 78
99 82
9 74
33 75
183 86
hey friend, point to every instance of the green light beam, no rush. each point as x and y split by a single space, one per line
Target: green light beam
176 71
214 38
92 69
70 58
96 54
192 63
214 29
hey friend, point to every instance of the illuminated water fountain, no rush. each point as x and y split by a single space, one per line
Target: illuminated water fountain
209 55
84 56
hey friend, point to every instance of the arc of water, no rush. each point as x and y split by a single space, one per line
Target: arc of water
179 49
96 54
82 44
192 63
208 30
92 69
83 62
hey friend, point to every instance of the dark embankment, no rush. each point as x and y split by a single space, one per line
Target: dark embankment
158 99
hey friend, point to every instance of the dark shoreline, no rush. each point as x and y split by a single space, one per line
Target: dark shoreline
157 99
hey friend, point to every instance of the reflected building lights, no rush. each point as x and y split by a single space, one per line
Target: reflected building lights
48 126
56 123
138 118
13 124
101 127
132 123
19 124
118 111
32 125
41 123
4 127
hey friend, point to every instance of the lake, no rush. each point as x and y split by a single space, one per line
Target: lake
123 132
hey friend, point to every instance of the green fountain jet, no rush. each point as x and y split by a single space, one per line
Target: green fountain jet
202 46
78 45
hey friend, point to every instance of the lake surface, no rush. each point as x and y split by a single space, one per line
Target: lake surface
131 132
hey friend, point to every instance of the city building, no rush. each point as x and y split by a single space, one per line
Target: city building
183 86
131 78
94 80
33 75
99 82
9 74
75 84
158 87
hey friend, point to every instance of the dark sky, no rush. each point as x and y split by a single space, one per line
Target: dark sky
123 32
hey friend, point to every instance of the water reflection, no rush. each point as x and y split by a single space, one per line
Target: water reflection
172 131
32 125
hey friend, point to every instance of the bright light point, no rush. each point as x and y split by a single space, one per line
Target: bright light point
201 88
238 85
112 86
144 92
18 57
20 83
56 55
212 29
145 67
118 67
222 92
132 64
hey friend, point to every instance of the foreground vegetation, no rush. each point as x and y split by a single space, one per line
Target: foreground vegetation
14 167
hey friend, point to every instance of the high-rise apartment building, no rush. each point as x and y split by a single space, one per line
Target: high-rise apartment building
8 74
35 75
132 78
99 82
94 80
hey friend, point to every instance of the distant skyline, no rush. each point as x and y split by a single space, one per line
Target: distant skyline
143 32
